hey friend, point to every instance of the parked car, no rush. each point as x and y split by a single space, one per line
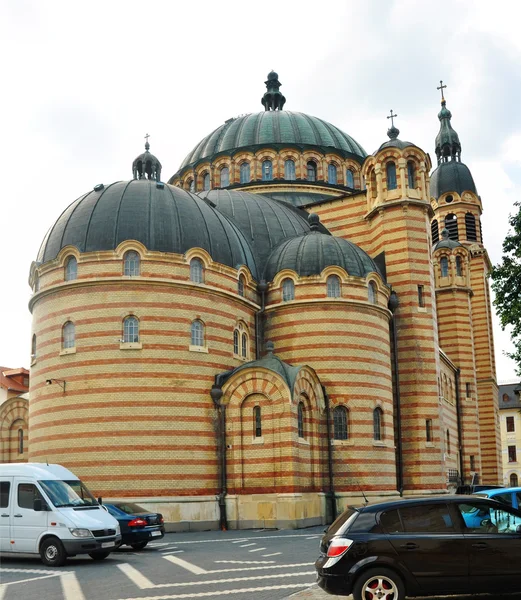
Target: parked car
510 496
472 489
421 547
138 526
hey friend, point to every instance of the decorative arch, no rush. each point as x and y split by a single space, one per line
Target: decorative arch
14 415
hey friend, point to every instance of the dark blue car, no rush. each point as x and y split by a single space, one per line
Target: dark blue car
138 526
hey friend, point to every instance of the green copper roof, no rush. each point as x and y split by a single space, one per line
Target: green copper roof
268 128
447 140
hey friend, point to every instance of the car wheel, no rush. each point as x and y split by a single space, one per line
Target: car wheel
52 552
139 545
99 555
383 584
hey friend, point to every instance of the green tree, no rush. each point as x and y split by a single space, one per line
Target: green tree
506 283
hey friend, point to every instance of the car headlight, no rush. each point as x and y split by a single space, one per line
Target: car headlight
80 532
118 529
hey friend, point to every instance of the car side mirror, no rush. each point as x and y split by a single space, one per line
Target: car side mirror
39 505
518 529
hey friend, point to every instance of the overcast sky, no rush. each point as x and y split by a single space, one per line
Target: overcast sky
84 81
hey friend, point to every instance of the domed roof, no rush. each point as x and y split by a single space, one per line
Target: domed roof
263 221
446 242
162 217
393 141
311 253
271 128
451 176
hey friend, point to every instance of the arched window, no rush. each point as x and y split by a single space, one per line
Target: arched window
257 423
131 263
374 185
240 285
372 292
470 227
20 441
196 270
447 438
225 177
451 223
340 423
235 341
391 176
333 286
244 345
435 232
331 173
288 290
459 266
513 479
300 419
190 185
130 330
411 175
33 347
206 181
350 179
312 171
245 172
289 170
267 170
68 335
377 424
444 266
197 333
71 269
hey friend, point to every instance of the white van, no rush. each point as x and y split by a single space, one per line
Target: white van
47 510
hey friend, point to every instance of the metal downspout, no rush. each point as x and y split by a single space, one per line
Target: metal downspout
393 306
216 393
262 286
458 419
330 496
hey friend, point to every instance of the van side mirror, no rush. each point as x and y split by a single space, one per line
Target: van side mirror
38 505
100 500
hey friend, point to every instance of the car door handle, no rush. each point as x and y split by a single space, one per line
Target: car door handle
409 546
4 515
18 515
480 545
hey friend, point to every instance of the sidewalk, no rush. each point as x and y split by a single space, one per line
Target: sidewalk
315 593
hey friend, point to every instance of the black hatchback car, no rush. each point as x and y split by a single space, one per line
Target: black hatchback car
138 526
422 547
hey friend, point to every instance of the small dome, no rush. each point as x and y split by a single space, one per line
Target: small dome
311 253
146 165
451 176
162 217
393 142
446 242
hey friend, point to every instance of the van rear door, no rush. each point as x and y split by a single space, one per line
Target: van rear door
6 504
27 524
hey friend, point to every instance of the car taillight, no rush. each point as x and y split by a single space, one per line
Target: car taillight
161 520
138 522
338 546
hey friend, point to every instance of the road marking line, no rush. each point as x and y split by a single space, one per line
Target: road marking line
71 587
234 579
246 562
160 544
260 568
135 576
171 552
3 590
42 571
246 545
247 539
192 596
256 549
186 565
31 579
273 554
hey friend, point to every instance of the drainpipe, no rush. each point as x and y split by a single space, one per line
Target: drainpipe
262 287
216 393
330 495
393 306
458 419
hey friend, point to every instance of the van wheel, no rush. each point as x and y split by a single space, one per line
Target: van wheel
52 552
99 555
139 545
379 583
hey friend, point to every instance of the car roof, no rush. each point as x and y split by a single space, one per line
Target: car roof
398 502
494 491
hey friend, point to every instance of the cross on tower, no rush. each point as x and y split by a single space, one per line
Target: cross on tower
441 87
146 138
391 116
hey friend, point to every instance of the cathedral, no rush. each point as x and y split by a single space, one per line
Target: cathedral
287 326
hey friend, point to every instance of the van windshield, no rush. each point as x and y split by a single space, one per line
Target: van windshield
68 493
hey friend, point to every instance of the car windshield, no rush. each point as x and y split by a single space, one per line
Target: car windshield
130 508
68 493
349 514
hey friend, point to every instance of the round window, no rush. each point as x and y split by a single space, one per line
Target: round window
449 199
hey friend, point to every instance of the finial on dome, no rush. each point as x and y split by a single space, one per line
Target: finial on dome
442 87
270 347
146 165
393 132
445 233
448 145
313 220
273 99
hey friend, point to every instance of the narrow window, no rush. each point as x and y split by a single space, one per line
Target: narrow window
20 441
512 454
472 463
289 170
514 482
197 333
267 170
225 177
350 179
257 423
244 345
447 439
71 269
435 232
444 265
459 267
467 390
411 175
428 430
333 286
131 263
511 427
372 292
190 185
196 270
130 330
301 419
421 297
312 171
240 285
340 423
451 224
236 342
470 227
391 176
68 335
206 181
288 290
331 174
33 347
245 172
377 424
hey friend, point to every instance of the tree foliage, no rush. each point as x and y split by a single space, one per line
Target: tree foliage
506 283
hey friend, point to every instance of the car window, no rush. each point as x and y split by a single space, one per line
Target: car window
518 496
27 494
130 508
505 498
4 494
348 515
390 521
482 518
426 518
